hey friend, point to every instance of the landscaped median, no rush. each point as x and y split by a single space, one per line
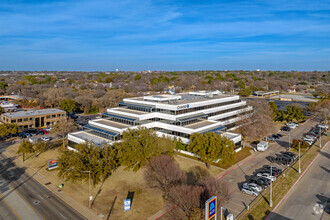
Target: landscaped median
259 208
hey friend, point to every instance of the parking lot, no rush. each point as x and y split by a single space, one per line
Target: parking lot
241 173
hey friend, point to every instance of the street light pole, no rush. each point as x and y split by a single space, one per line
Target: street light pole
320 138
299 170
271 188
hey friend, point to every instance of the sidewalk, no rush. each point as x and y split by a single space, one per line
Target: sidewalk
83 210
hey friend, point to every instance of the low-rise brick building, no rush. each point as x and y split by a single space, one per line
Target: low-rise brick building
34 119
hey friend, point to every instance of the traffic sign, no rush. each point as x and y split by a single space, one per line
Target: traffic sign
127 204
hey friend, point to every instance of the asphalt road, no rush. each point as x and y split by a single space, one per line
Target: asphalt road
45 204
310 199
239 201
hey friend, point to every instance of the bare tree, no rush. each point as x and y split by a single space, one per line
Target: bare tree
187 199
64 127
212 187
163 173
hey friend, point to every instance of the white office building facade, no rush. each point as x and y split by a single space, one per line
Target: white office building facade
178 115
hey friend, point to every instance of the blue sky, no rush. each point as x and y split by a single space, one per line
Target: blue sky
164 35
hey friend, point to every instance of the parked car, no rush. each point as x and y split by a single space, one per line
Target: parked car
253 186
292 125
22 135
249 190
290 154
310 142
271 138
285 128
324 126
45 138
310 137
28 134
267 175
33 140
274 171
259 182
268 181
281 160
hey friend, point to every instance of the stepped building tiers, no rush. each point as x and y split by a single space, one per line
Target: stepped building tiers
177 115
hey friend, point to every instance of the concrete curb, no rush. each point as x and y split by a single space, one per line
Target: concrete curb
83 210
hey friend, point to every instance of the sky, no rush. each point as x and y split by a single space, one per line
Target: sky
134 35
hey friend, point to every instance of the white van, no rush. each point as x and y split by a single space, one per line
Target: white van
262 146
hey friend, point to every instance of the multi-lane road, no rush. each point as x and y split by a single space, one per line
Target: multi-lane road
22 197
310 199
239 201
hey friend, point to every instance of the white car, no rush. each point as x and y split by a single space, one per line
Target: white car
267 176
45 138
252 186
292 125
310 137
307 139
324 126
309 142
250 191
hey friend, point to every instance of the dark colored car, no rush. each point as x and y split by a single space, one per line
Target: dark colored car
259 182
281 160
274 171
22 135
290 154
285 128
268 181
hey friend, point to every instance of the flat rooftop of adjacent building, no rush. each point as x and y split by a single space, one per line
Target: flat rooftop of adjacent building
181 98
199 124
90 137
111 123
33 113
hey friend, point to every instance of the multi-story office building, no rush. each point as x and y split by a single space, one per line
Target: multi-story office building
178 115
34 119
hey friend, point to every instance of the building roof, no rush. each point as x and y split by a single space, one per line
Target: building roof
32 113
90 137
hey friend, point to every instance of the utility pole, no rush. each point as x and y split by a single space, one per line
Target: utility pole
271 188
320 137
299 170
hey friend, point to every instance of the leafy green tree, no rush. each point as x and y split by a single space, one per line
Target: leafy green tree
6 129
88 160
68 105
210 147
2 110
245 92
241 84
25 148
138 146
39 147
137 77
275 110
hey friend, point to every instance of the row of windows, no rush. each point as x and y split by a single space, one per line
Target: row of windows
206 107
32 118
225 111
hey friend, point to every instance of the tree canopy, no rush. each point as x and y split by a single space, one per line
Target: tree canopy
211 146
6 129
75 166
68 105
139 145
25 148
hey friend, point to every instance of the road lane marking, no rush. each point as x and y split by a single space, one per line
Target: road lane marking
62 215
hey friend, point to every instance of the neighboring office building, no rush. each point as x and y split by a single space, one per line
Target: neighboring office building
178 115
34 119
